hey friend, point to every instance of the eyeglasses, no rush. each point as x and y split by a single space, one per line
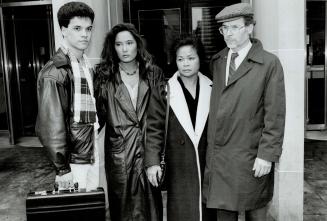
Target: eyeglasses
233 29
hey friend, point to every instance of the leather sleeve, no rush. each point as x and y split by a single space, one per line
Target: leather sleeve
100 94
51 123
155 76
155 129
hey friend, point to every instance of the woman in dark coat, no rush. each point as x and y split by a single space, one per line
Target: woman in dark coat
186 140
123 81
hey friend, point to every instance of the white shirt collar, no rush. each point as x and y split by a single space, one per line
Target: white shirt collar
239 59
241 53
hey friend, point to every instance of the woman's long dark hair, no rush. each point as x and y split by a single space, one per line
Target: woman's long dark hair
109 63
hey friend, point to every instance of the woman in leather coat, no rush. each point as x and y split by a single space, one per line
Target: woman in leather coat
123 81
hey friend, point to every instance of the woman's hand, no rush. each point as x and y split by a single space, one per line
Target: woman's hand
153 173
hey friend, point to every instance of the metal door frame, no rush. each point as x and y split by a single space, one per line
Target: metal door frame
4 60
309 68
4 65
4 70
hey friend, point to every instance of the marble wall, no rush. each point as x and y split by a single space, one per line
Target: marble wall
281 28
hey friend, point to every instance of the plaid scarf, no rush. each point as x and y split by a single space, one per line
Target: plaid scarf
84 102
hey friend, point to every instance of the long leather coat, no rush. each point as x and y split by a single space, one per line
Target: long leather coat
246 121
66 142
131 196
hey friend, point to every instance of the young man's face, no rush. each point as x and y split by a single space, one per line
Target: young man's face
78 33
236 34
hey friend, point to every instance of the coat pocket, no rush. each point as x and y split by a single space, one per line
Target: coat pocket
81 138
116 163
223 127
116 145
138 182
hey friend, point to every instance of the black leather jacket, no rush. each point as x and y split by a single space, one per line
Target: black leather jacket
65 141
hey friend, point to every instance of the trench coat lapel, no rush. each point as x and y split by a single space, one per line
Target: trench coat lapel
218 66
244 68
142 98
124 100
253 55
203 106
223 68
180 108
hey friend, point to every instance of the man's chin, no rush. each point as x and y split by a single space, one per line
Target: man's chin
82 48
230 45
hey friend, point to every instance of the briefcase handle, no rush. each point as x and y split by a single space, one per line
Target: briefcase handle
75 187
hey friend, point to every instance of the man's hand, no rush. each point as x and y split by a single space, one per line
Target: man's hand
65 181
261 167
153 172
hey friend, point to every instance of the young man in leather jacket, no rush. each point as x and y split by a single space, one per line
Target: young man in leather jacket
67 121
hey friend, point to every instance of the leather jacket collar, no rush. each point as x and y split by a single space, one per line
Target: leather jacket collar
60 59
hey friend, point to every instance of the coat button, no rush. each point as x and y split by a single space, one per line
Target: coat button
182 142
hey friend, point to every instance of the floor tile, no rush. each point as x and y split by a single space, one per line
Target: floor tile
315 218
24 168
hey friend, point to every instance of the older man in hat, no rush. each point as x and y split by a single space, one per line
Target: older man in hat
246 121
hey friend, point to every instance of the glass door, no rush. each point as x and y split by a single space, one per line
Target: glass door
316 81
3 103
160 28
205 27
27 39
161 22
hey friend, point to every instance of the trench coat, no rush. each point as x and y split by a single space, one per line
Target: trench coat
246 121
186 147
131 196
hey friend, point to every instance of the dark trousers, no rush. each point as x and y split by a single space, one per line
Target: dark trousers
250 215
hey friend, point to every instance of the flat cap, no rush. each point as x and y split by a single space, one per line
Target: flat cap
235 11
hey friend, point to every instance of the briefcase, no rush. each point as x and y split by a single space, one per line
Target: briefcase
64 205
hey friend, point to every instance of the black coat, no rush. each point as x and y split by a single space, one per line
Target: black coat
131 196
186 147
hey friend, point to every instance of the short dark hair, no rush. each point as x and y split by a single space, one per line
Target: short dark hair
194 42
73 9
